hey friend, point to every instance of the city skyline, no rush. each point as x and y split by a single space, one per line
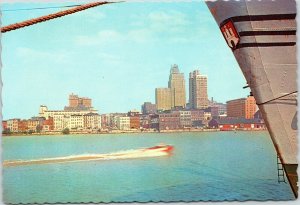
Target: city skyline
121 72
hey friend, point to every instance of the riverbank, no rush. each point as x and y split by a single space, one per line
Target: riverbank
126 132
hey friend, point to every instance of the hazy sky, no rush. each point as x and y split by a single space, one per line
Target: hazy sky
116 54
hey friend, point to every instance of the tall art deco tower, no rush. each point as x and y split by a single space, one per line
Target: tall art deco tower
198 90
177 86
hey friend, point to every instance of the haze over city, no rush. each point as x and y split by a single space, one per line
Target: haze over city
117 56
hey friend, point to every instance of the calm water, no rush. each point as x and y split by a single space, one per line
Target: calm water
204 166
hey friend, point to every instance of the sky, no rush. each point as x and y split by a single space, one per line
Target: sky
116 54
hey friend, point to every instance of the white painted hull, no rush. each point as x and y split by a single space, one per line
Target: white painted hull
265 48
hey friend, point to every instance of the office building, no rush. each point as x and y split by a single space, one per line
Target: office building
148 108
177 86
243 107
198 98
163 98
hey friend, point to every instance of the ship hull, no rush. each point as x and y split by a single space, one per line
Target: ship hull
262 37
291 173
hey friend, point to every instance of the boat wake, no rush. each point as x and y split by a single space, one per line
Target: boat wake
156 151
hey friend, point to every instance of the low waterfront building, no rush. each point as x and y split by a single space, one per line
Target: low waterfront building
114 117
44 112
148 108
222 108
76 122
4 125
214 111
40 119
169 121
60 122
22 126
225 124
32 125
145 121
134 122
13 125
92 121
154 122
109 121
48 125
123 123
72 118
133 112
105 121
207 118
197 117
134 116
185 118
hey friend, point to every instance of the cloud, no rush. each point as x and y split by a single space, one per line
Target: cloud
169 26
29 54
160 19
91 15
107 56
101 38
140 35
110 59
107 37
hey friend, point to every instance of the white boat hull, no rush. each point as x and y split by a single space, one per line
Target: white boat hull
262 36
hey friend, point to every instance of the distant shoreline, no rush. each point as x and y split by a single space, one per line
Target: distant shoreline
126 132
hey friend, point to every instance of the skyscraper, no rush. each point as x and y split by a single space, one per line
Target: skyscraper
198 98
177 86
163 98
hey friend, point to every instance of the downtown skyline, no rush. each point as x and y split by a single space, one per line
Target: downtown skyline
121 72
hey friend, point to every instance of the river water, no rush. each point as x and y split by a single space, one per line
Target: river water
204 166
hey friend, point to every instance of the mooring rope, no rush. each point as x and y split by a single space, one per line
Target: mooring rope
51 16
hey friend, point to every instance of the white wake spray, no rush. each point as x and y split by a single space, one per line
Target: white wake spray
157 151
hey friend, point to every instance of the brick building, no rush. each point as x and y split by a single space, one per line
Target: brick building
197 117
243 107
169 121
4 125
185 118
48 124
148 108
134 122
22 125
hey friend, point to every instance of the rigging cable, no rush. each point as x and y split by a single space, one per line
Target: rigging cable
41 8
277 98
